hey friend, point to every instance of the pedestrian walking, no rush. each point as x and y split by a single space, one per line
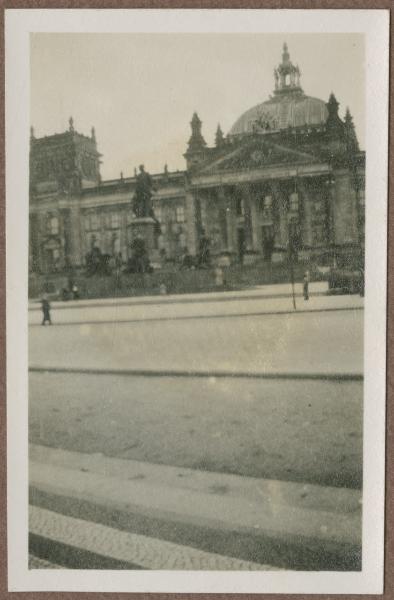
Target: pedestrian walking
75 292
46 311
306 285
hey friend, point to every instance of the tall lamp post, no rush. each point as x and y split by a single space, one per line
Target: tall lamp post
293 229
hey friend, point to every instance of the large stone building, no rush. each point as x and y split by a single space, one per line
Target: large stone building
288 174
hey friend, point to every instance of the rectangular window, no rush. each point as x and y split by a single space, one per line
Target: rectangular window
182 240
94 221
115 220
318 206
294 202
180 214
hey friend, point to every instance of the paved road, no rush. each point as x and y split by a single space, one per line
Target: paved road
328 342
291 430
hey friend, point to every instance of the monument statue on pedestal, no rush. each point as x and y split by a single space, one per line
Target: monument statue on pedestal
144 226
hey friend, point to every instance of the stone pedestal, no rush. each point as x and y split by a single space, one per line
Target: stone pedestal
143 228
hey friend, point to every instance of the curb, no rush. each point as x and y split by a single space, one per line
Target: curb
158 300
203 374
217 316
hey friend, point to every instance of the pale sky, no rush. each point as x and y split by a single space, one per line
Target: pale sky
139 91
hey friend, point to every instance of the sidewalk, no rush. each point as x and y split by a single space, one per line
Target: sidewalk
282 290
296 525
209 307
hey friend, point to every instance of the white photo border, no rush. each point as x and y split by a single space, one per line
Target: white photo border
18 25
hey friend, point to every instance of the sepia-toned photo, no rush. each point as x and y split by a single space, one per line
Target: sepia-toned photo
197 281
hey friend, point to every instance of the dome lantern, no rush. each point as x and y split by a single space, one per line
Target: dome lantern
287 75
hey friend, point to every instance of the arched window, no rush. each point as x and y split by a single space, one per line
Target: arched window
53 224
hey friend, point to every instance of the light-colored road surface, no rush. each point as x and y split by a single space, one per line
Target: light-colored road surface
309 342
187 307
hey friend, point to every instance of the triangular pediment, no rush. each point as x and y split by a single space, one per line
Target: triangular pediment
256 153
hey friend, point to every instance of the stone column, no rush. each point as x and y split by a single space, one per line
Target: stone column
255 223
123 232
41 229
191 222
34 241
245 191
75 233
280 198
222 218
65 228
307 204
344 214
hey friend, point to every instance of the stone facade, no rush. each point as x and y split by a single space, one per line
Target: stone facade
290 169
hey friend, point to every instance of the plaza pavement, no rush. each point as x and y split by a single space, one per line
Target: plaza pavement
263 521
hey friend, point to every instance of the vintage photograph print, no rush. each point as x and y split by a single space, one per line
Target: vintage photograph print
198 267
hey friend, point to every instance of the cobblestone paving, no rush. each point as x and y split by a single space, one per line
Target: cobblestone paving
149 553
40 563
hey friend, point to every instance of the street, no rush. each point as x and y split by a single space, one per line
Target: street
289 430
244 388
249 336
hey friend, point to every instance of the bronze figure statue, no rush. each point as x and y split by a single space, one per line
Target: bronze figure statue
142 199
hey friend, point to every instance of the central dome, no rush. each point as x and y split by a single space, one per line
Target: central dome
289 107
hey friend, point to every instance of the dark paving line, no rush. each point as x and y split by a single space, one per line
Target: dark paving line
179 300
71 557
282 551
192 317
337 377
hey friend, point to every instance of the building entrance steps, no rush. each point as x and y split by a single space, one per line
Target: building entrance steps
324 518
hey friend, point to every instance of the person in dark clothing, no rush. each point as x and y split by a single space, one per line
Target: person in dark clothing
46 311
